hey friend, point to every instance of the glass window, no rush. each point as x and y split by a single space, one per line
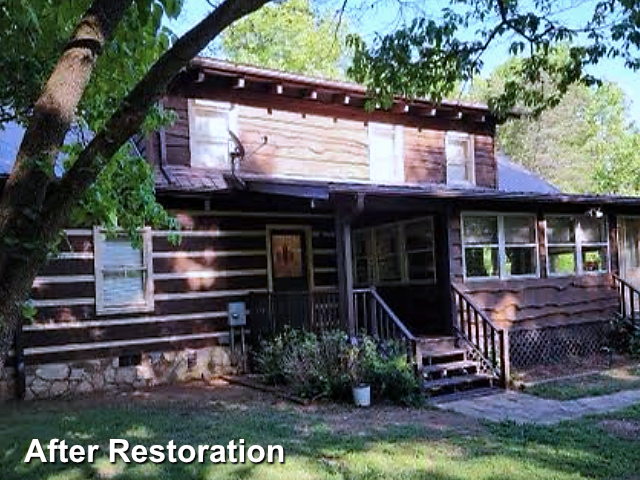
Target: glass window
419 246
499 246
460 158
577 245
287 255
123 274
209 139
387 254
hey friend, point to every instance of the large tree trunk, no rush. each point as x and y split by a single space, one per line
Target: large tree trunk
18 275
25 191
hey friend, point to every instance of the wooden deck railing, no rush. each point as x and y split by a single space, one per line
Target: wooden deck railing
489 343
313 311
629 297
374 317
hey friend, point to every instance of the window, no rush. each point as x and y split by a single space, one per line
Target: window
209 139
499 246
577 245
386 152
402 252
460 158
123 274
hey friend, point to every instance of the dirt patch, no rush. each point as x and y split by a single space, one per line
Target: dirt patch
220 395
574 366
625 429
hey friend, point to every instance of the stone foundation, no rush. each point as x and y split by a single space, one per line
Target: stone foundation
7 384
63 380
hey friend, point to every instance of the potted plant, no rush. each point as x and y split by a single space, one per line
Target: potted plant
361 390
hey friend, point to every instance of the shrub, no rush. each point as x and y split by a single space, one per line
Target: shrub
327 365
625 337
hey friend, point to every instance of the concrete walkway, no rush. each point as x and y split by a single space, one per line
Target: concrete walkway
523 408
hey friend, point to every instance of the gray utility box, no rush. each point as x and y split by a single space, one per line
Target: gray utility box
237 314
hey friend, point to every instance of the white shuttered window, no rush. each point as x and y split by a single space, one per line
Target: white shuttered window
460 158
123 274
209 138
386 153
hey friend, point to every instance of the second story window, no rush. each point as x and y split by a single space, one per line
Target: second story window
209 139
386 153
460 158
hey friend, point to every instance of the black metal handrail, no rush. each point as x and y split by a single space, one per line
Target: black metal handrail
490 343
629 297
374 317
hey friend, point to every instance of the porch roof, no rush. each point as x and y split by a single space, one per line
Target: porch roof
324 190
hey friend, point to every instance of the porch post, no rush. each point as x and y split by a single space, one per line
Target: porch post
345 272
443 266
614 245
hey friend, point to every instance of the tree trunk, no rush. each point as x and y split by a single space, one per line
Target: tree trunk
63 196
25 191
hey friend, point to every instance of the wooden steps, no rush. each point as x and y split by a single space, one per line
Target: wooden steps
448 367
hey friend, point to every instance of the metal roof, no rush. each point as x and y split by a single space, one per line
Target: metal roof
515 178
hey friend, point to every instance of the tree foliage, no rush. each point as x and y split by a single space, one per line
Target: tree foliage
292 36
427 56
583 144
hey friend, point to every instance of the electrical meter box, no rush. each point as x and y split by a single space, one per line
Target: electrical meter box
237 314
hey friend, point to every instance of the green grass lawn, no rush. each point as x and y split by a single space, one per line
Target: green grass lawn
323 443
611 381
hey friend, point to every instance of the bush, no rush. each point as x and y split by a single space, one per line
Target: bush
625 337
327 365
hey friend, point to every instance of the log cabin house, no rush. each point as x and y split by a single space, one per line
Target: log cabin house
310 210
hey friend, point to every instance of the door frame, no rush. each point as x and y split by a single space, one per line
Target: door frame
623 254
307 232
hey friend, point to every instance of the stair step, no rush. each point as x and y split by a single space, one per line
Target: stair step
444 356
454 382
449 367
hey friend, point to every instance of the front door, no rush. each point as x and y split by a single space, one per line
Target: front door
630 250
289 276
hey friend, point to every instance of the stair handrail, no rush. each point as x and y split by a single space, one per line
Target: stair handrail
499 369
621 284
410 340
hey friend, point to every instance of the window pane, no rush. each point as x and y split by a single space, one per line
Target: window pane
562 260
561 230
480 230
594 259
593 230
386 242
421 266
481 261
521 261
389 268
419 236
362 270
123 288
119 252
286 253
360 244
519 229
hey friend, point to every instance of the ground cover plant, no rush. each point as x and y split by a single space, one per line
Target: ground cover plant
321 442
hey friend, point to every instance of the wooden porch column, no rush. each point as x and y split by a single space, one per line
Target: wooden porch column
443 266
345 272
614 242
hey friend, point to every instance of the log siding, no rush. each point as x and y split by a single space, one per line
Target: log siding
222 257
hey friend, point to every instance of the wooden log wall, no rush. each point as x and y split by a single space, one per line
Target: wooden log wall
535 302
288 143
222 257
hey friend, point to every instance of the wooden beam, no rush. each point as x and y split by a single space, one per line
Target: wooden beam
614 253
345 272
443 267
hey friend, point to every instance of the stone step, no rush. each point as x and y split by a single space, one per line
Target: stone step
453 384
445 368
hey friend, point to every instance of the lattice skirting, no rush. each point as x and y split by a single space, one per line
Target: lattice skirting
555 344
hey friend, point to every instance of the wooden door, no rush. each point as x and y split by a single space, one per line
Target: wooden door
290 276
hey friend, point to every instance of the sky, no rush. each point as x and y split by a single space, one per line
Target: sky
385 16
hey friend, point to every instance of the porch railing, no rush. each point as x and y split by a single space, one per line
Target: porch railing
374 317
629 298
489 343
313 311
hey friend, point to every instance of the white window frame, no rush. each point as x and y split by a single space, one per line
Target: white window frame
147 258
502 245
577 245
470 139
397 132
230 111
373 270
